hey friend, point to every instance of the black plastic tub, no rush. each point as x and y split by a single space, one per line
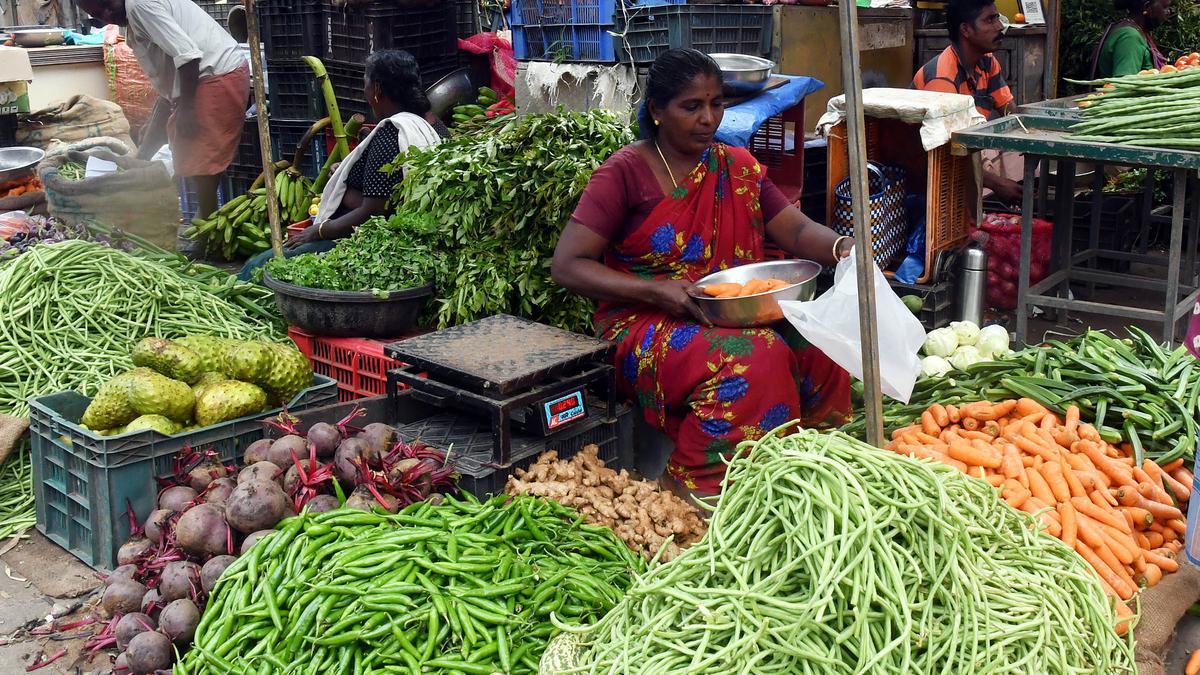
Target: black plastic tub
349 313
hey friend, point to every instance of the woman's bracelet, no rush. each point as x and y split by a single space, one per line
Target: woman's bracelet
320 226
837 244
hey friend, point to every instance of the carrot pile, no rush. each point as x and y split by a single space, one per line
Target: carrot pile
20 187
1124 519
752 287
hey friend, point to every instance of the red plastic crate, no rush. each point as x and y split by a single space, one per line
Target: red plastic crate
358 364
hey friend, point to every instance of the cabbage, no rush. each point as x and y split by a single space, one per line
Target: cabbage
935 366
993 341
966 331
965 356
940 342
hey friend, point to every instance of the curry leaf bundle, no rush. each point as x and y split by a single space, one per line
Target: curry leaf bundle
501 198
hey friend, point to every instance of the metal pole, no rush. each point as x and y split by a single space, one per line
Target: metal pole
264 133
857 145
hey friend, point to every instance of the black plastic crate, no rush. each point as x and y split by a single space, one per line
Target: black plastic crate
294 28
938 309
217 9
467 17
713 29
429 34
293 90
247 163
1118 227
287 134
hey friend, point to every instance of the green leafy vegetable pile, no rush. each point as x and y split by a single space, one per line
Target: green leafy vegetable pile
381 255
500 199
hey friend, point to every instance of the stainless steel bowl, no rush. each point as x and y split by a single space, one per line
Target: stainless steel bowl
18 162
454 89
38 37
743 74
761 308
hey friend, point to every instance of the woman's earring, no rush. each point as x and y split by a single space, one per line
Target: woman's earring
656 123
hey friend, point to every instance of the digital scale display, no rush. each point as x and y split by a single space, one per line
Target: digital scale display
564 409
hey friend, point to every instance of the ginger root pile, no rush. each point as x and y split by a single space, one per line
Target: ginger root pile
641 513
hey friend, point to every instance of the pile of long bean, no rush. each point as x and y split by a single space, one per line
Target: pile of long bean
1153 110
1134 390
71 312
826 555
459 587
17 513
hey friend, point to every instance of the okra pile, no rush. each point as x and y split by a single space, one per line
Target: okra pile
456 587
1134 390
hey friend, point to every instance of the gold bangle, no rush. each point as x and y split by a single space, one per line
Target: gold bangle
837 243
320 226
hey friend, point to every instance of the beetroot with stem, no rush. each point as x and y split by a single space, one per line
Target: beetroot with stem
252 539
379 438
285 448
130 625
133 549
218 491
127 572
322 503
121 664
202 531
264 471
178 621
212 571
256 452
176 498
324 437
158 523
148 652
256 505
123 597
346 460
180 579
152 603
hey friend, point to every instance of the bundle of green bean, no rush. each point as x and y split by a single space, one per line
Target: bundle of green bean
1146 110
459 587
1135 390
71 312
17 514
826 555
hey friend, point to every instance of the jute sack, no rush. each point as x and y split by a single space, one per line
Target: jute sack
141 198
11 430
1162 607
77 119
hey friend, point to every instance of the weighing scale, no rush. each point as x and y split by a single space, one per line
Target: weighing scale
505 382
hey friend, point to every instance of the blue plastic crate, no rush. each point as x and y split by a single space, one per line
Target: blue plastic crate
570 30
83 483
713 29
188 203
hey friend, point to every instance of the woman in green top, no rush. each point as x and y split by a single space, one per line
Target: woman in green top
1126 47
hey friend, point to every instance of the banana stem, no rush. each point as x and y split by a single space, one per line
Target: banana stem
331 105
352 128
278 166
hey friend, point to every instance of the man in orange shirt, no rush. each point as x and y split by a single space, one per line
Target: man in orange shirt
968 67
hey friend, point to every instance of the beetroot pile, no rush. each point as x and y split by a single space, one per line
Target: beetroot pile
209 512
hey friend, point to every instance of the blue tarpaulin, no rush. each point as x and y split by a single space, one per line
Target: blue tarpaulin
742 120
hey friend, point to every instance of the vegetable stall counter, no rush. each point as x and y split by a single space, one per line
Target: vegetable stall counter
1048 138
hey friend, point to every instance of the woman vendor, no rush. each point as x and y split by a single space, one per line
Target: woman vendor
360 188
656 217
1126 47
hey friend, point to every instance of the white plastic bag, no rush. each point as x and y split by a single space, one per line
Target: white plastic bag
830 323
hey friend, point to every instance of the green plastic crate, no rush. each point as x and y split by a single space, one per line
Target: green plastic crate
83 483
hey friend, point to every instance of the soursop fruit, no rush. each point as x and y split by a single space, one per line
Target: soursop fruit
156 422
248 361
289 374
155 394
112 408
168 358
210 349
222 401
206 378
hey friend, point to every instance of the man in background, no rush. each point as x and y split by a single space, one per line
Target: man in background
968 67
202 80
